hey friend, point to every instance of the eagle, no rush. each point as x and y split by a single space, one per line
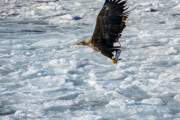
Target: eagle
110 23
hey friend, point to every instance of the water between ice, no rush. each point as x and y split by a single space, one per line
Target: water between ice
45 75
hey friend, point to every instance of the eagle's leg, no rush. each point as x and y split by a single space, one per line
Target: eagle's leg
109 54
118 52
119 43
115 48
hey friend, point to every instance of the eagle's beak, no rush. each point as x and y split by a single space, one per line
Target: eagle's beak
78 43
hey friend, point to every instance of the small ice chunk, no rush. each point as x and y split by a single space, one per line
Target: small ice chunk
21 47
47 7
35 13
51 7
177 57
170 63
129 79
45 0
150 10
32 71
17 42
162 5
45 43
153 101
93 96
143 4
167 115
64 61
144 34
66 17
177 1
171 51
13 12
76 17
168 93
8 13
176 40
122 65
20 113
177 7
177 97
78 4
70 17
88 117
120 102
60 104
54 62
164 40
75 63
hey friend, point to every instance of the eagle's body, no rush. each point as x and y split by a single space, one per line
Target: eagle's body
110 23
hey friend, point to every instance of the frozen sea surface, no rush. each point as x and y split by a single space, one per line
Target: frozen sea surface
45 75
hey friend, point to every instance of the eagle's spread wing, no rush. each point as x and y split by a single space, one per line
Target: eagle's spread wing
110 23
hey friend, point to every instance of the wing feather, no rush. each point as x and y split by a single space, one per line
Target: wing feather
110 23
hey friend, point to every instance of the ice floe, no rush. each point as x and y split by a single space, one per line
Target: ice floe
45 75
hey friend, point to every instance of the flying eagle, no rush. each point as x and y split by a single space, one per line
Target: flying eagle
110 22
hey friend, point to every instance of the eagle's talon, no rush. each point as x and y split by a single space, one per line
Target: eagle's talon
113 61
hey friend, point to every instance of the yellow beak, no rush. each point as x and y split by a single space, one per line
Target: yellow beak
78 43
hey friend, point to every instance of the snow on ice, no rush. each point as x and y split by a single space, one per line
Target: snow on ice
45 75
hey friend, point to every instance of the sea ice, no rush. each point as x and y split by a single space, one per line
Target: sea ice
153 101
70 17
171 51
177 40
45 75
177 97
177 7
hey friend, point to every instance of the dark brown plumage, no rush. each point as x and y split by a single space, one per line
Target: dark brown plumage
110 23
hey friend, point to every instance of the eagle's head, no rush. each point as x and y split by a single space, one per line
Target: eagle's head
85 42
81 42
